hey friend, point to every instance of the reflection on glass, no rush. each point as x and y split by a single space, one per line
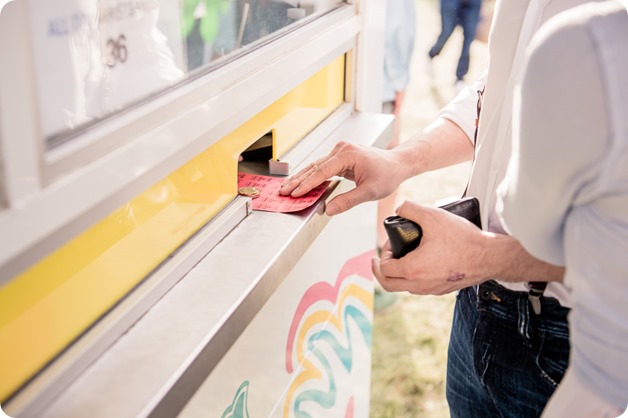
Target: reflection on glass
96 57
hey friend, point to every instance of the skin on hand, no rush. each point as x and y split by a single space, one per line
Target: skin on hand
376 173
449 258
455 254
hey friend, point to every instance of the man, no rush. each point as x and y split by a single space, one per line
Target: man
465 13
566 193
504 357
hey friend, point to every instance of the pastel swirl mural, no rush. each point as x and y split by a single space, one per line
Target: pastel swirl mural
329 334
239 406
331 323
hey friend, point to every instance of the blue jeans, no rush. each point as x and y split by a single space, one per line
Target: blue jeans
503 360
465 13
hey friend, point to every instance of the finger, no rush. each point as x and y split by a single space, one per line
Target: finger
295 180
393 267
386 252
390 284
345 201
310 177
316 173
414 211
319 173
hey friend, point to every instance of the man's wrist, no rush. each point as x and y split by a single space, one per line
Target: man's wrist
495 255
504 258
410 158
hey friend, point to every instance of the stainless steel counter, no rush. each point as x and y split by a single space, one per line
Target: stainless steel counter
159 362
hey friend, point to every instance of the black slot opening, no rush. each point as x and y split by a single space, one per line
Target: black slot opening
254 159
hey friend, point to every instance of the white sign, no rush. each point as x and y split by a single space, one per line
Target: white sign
94 57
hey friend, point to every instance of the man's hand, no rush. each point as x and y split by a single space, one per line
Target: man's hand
454 254
376 173
449 258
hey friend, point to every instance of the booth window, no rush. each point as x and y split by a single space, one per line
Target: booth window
96 58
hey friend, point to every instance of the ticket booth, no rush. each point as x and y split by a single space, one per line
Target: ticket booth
134 280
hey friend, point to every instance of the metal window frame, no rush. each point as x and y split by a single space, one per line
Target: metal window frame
182 123
36 220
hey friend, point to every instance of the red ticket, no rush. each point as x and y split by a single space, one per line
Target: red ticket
270 200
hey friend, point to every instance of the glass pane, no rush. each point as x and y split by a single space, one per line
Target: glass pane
96 57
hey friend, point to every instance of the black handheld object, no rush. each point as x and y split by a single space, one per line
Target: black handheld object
405 235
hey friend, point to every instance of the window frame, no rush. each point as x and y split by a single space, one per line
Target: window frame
113 162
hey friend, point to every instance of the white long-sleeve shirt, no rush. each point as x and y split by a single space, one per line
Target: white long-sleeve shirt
565 196
514 24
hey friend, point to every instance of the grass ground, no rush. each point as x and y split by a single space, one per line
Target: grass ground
411 336
411 349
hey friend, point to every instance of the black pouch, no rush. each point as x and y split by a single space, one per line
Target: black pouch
405 235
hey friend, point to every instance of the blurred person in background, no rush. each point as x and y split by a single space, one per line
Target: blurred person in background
465 13
400 33
565 196
509 342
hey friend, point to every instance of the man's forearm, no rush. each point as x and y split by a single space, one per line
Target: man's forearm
440 145
505 258
443 143
455 254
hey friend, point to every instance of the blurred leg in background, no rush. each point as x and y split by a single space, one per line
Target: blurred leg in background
465 13
469 17
399 45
